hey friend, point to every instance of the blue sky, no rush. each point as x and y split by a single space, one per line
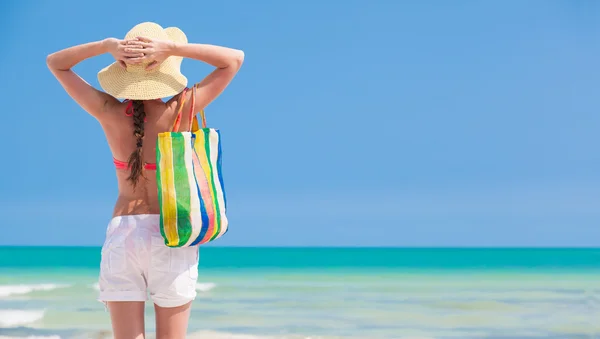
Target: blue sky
354 123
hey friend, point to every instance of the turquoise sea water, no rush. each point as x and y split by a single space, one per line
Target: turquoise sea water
327 293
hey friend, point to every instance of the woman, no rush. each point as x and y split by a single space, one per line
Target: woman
135 261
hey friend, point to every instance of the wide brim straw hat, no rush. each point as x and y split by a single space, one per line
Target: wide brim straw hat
137 83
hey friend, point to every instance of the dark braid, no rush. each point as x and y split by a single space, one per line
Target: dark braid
135 159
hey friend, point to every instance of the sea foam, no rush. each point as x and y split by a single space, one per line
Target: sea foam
15 318
10 290
205 287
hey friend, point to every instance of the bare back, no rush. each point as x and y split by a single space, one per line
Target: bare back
119 132
119 126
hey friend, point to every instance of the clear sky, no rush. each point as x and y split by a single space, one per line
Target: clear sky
351 123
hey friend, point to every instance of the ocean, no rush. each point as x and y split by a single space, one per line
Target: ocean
326 293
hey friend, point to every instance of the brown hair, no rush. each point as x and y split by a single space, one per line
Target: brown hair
135 159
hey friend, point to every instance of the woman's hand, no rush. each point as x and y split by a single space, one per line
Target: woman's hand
124 51
154 52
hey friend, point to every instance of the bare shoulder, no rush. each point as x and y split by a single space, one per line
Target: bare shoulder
166 113
174 102
112 111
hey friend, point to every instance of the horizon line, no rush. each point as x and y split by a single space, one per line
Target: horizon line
336 247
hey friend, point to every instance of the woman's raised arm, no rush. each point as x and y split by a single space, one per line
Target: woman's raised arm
227 61
90 99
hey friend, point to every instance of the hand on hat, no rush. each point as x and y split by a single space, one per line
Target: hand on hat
153 52
123 50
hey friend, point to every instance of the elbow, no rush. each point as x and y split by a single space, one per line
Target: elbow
50 60
240 57
237 59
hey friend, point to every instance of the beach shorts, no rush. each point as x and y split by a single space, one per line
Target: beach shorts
136 263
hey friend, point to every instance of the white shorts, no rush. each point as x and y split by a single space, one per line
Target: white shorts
136 262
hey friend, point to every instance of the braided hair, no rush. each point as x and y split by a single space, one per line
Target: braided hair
135 162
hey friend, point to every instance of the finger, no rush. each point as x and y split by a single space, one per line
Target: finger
152 65
126 42
144 44
122 64
135 50
144 39
136 60
134 55
131 46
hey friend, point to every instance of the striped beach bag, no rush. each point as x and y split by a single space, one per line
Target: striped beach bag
190 183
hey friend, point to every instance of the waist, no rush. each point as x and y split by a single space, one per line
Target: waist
141 200
134 224
128 206
145 219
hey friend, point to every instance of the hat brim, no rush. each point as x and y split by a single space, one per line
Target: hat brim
164 82
121 84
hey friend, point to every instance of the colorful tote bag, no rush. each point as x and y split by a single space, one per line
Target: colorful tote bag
190 182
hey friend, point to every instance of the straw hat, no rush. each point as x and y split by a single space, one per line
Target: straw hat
135 82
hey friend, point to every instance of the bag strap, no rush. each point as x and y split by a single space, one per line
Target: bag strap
177 122
193 118
193 103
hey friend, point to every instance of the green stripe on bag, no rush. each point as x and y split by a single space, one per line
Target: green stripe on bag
182 187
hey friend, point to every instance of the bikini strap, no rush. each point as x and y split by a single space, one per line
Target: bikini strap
177 122
129 108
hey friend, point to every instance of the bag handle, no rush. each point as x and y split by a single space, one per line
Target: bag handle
193 117
177 122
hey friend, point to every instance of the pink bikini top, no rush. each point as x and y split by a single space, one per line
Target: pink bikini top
129 112
123 164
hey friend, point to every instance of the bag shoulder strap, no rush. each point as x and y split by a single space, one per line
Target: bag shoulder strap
193 117
177 122
193 103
